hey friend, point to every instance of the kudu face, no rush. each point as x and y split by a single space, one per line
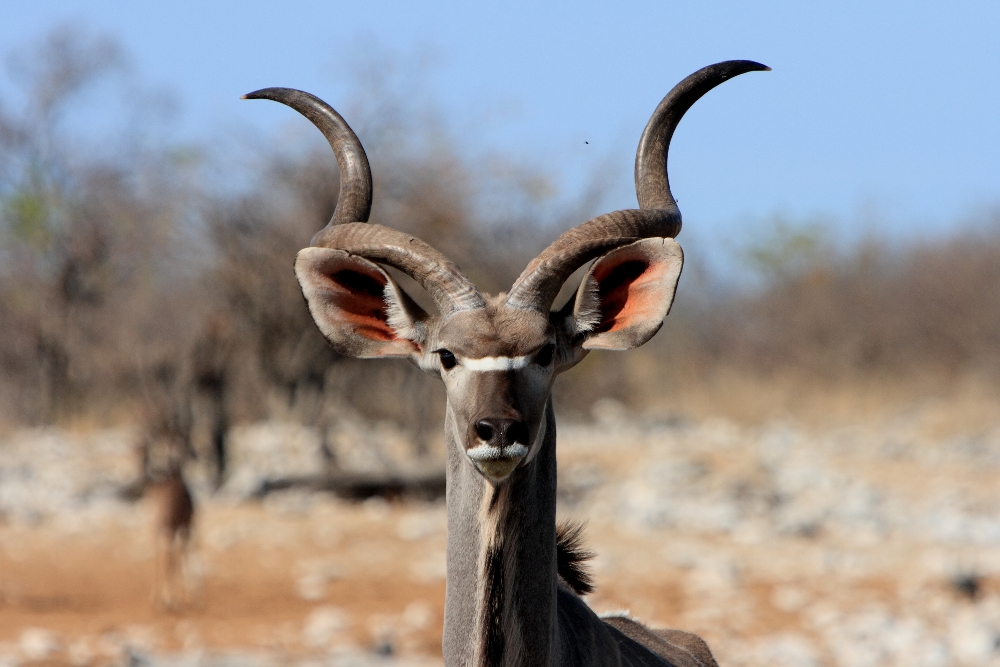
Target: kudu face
497 355
497 365
498 361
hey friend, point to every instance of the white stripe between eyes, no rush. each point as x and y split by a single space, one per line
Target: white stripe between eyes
496 363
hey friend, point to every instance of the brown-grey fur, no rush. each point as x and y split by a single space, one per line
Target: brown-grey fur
498 357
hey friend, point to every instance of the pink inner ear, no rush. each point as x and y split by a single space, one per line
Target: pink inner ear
358 295
624 294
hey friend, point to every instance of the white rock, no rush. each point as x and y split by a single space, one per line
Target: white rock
323 625
418 615
787 650
38 643
80 652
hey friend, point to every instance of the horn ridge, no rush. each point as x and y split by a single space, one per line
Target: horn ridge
355 201
652 186
539 284
451 291
657 216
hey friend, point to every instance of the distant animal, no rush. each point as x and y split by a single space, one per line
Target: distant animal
173 514
498 355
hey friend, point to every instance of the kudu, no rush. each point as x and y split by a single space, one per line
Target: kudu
173 514
498 357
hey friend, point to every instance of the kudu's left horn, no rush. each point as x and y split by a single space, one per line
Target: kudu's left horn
657 215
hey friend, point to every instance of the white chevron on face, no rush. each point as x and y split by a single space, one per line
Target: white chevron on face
496 363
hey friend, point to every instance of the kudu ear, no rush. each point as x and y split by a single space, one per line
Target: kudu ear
357 306
626 294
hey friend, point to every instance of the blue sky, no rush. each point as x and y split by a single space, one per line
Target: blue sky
882 115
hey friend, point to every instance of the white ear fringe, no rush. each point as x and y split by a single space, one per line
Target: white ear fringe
587 311
397 317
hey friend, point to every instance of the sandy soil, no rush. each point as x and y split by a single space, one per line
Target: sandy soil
779 545
261 580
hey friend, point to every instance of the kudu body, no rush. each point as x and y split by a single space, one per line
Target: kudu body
168 420
498 357
173 514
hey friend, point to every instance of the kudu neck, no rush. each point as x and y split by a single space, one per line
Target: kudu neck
500 607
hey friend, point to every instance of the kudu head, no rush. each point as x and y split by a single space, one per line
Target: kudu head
497 355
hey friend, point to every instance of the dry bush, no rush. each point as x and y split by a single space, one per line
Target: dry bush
862 332
87 246
891 309
130 288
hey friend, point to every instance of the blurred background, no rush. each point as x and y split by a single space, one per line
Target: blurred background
801 466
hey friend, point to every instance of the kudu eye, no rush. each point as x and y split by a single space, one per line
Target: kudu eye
448 360
544 356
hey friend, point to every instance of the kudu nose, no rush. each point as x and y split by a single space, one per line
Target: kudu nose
502 443
502 432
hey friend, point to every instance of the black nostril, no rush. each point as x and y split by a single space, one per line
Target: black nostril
501 432
484 430
517 432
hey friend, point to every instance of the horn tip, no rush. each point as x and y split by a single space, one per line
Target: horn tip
263 94
737 67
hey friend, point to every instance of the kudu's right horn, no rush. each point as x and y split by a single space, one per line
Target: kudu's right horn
348 229
355 201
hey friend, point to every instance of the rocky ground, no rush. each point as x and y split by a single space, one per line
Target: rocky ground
781 545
